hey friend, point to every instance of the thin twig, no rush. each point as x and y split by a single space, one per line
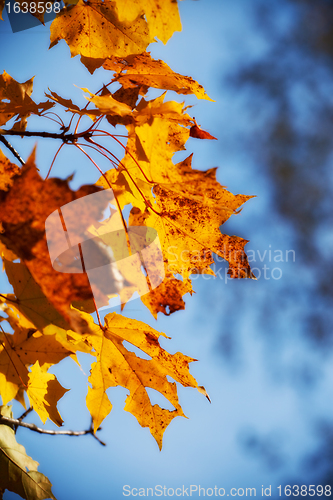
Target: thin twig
128 152
12 149
29 410
54 159
61 123
33 427
24 414
48 135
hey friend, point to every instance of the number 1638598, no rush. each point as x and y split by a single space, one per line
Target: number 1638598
33 7
305 490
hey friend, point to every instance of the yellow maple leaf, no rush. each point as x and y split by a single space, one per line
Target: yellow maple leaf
171 111
93 30
127 246
105 104
44 391
13 373
22 349
162 15
20 102
185 206
168 296
108 105
159 131
118 366
142 70
67 103
188 219
33 309
159 296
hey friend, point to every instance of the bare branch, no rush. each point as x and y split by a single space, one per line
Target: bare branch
18 423
47 135
29 410
11 149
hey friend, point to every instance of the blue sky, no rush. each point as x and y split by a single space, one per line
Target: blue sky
258 393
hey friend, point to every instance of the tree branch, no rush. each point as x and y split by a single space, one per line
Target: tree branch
25 414
47 135
18 423
11 149
29 410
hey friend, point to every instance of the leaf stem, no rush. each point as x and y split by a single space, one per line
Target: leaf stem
128 152
100 170
59 121
148 204
55 156
98 148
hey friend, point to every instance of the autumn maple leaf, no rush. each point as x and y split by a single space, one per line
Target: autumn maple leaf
162 15
23 211
80 25
140 70
15 100
116 365
20 350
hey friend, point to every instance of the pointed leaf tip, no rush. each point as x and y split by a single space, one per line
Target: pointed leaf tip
203 391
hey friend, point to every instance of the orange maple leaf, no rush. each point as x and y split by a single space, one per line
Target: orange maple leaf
23 211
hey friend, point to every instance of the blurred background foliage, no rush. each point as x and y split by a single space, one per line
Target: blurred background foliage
284 94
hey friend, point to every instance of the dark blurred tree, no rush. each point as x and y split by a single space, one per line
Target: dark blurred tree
291 86
284 92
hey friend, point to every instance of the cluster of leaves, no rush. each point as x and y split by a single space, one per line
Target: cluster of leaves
48 317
